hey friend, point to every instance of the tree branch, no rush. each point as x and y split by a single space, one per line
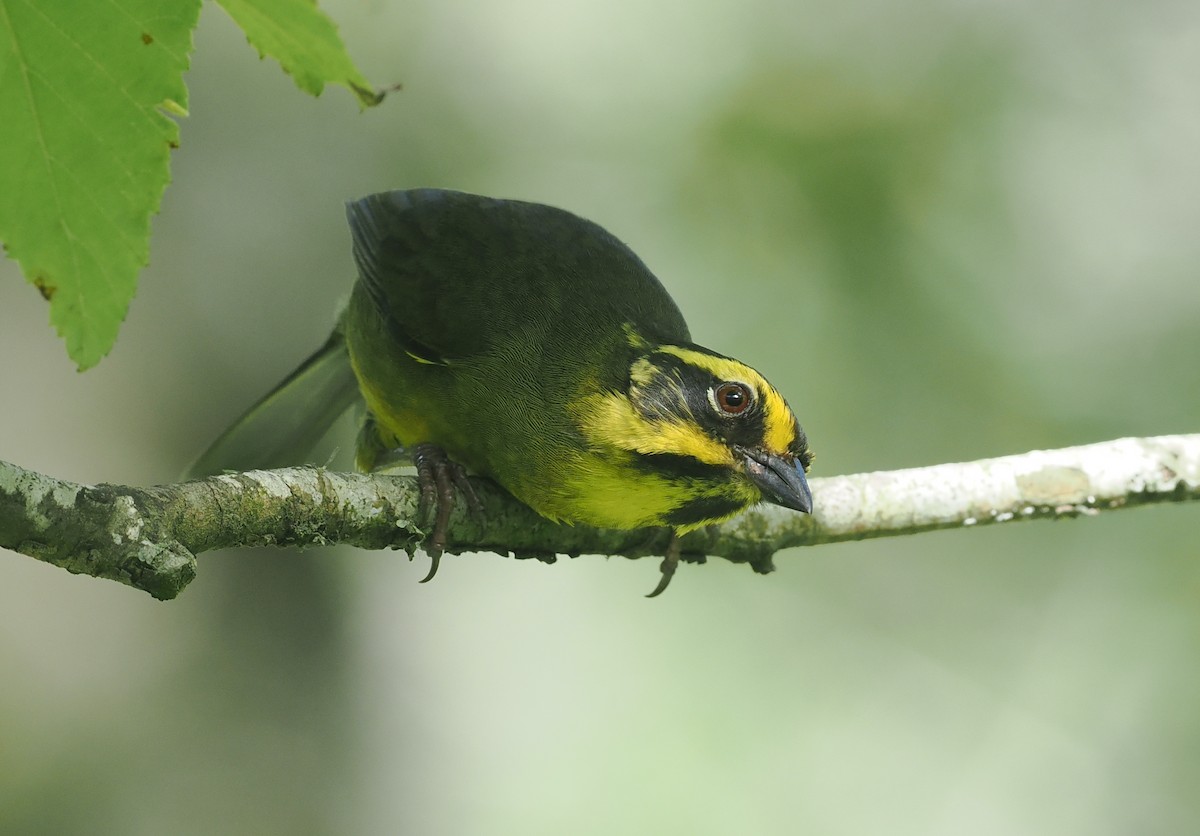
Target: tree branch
148 537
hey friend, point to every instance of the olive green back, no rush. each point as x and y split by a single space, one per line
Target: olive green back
461 275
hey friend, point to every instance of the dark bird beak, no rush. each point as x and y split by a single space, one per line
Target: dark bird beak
781 480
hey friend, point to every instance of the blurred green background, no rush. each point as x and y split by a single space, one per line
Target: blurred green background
945 230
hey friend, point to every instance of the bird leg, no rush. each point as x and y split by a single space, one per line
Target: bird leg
669 565
369 450
437 477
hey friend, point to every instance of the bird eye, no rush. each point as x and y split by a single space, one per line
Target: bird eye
731 398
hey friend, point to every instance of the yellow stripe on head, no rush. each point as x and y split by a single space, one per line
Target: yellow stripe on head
611 419
778 422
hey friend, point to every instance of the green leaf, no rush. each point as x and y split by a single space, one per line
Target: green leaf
305 43
85 147
87 90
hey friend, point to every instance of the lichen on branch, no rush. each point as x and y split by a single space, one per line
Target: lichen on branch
148 538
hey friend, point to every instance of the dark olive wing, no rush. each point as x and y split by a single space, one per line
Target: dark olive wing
458 274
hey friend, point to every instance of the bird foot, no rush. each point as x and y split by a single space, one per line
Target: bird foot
669 564
438 477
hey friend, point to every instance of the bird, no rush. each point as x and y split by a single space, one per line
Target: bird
522 343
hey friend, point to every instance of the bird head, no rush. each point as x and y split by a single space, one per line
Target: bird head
711 429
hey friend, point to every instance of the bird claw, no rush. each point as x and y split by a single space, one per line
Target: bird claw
435 559
669 564
438 477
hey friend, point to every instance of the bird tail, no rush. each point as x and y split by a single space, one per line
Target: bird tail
283 427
